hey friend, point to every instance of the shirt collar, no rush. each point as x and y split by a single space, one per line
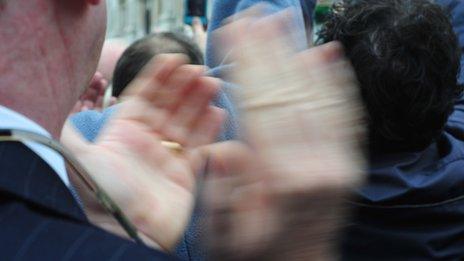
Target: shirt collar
13 120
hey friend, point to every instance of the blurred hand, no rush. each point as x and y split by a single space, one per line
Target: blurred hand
153 185
281 196
93 97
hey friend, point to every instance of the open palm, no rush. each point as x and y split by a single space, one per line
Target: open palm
284 198
152 184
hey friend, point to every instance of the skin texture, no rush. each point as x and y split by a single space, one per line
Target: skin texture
282 195
111 52
152 184
266 200
48 55
56 56
94 96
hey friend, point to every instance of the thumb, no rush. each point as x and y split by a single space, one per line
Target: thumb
227 158
73 140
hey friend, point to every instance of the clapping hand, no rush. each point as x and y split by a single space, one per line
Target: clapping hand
281 195
155 186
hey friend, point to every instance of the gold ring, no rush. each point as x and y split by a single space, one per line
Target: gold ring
173 146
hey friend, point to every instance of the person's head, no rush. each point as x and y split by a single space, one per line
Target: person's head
406 58
48 54
111 52
142 51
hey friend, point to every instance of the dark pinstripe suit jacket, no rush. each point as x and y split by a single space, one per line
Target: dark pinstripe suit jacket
40 220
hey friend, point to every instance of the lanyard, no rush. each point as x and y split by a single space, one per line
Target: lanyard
103 198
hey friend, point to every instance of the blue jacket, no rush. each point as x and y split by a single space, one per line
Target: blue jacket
412 207
456 10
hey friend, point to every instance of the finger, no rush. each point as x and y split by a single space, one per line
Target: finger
224 37
77 107
334 83
258 31
87 105
97 76
195 102
154 75
90 94
263 54
102 87
169 95
113 101
72 139
99 103
231 159
255 12
275 32
207 129
143 112
265 42
322 55
329 76
94 86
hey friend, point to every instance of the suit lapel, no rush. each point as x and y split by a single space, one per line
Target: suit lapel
25 175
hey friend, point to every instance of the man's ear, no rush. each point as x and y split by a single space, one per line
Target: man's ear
93 2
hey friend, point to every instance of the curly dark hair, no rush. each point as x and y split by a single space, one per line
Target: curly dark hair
406 57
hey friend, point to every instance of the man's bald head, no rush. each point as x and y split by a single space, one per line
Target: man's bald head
112 51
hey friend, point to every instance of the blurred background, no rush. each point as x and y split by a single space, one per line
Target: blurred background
131 19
